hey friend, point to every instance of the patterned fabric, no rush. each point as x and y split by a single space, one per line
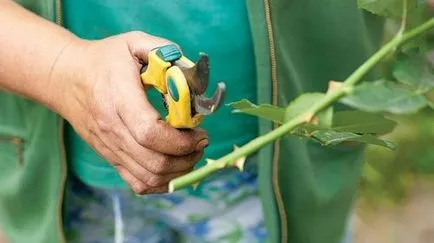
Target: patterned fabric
226 208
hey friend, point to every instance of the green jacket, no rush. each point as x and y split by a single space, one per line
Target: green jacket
306 189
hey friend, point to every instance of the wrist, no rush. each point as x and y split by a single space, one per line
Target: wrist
64 73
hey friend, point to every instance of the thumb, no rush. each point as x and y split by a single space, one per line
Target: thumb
140 44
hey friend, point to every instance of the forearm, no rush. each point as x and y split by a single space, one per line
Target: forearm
29 47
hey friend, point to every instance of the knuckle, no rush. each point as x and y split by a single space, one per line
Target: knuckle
104 125
155 181
139 187
117 131
136 34
160 166
185 146
143 134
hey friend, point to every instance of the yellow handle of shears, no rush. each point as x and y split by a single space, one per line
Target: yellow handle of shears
169 80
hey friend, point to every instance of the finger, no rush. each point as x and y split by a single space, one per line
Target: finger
140 44
149 178
135 168
160 164
101 148
116 145
156 163
150 183
137 185
140 180
164 165
171 141
150 131
109 150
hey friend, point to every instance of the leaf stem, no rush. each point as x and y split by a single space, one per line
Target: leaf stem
329 99
404 17
391 45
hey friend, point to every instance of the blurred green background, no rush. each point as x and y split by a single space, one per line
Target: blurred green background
395 201
389 175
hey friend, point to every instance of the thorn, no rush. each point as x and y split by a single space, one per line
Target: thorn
239 163
314 120
309 118
195 185
171 187
209 161
333 85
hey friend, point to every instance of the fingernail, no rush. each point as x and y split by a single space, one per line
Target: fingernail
202 144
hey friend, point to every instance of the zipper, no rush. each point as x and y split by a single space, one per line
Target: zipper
59 21
276 147
59 12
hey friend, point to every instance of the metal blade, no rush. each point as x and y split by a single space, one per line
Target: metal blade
198 75
206 106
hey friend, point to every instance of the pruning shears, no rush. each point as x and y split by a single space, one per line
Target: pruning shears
182 84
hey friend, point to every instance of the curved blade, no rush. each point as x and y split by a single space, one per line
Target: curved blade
206 106
198 76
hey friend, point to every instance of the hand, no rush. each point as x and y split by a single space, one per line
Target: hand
99 91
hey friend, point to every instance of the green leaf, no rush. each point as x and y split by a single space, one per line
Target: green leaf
414 71
361 122
266 111
388 8
329 137
384 96
303 102
242 104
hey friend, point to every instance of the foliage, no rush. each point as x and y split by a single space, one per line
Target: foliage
388 177
390 8
385 96
327 128
371 103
